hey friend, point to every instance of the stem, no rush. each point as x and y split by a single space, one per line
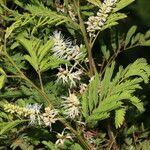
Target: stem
111 135
40 79
83 30
12 76
113 144
93 41
81 139
130 47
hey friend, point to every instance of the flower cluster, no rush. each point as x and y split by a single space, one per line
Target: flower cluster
49 116
69 76
63 48
97 22
33 113
21 111
71 106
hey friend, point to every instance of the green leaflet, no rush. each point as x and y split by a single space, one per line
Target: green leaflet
2 78
130 33
30 46
106 80
138 68
93 92
51 63
122 4
90 96
10 29
95 2
133 40
4 115
119 117
76 147
98 117
112 20
137 103
105 51
33 62
51 17
147 34
2 81
44 49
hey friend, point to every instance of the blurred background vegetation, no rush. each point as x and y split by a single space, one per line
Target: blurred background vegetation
138 14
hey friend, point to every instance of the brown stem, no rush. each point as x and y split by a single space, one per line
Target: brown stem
40 79
111 135
86 40
112 139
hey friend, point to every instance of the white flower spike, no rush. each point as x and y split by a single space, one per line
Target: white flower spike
96 22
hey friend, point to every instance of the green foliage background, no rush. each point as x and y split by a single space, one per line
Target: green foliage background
134 134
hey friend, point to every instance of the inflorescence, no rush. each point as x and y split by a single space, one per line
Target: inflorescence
33 113
97 22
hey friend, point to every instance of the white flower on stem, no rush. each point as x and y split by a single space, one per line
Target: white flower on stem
97 22
32 111
76 54
63 48
62 138
69 76
71 106
49 116
60 45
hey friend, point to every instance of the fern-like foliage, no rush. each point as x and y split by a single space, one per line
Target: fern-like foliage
39 54
37 15
111 93
134 39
